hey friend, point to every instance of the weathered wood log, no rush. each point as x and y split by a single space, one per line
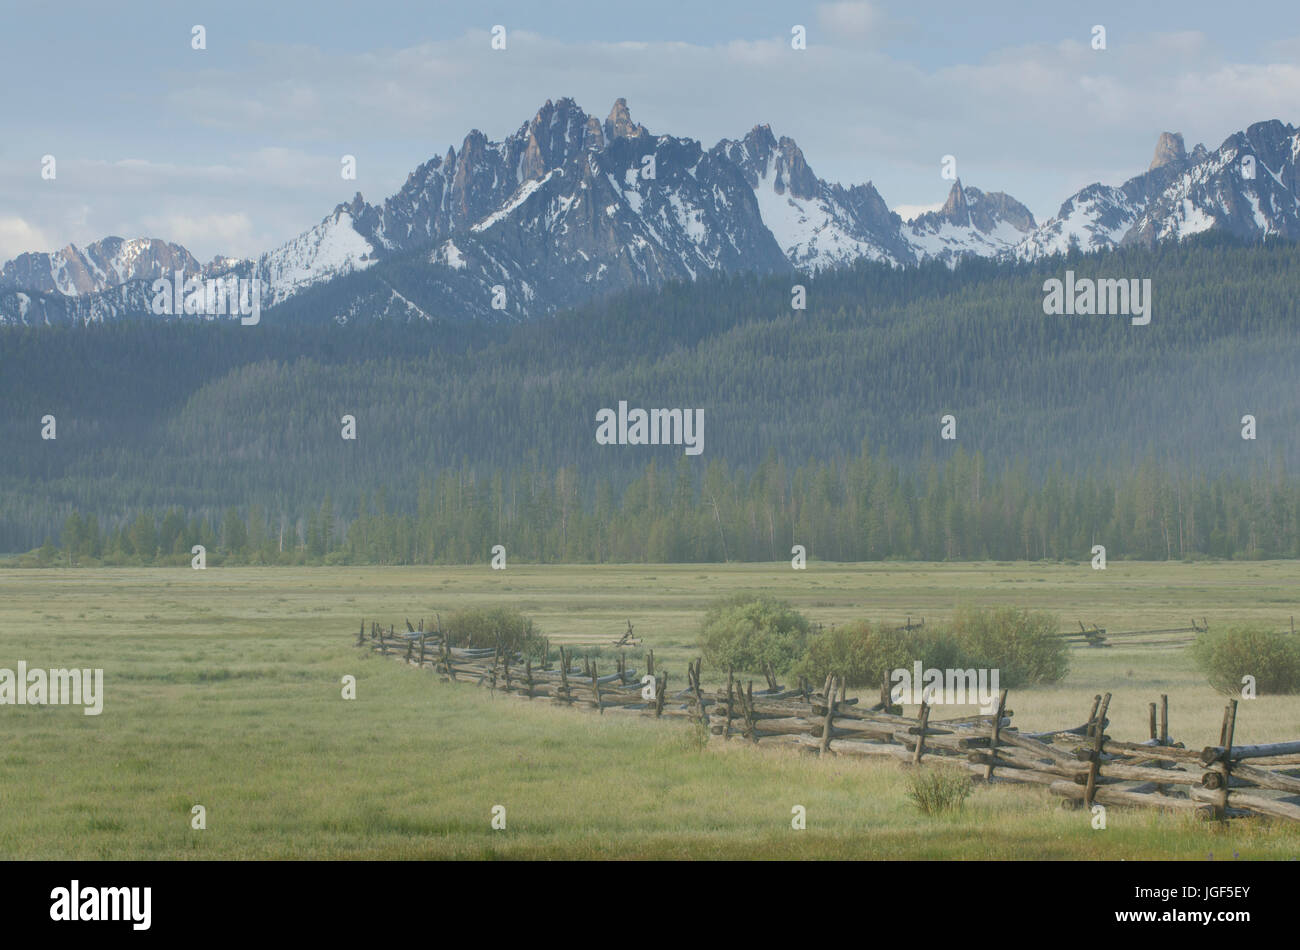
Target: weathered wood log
1154 751
790 726
850 747
946 745
1261 778
1109 795
1259 804
1119 771
1211 754
1214 780
1027 776
1021 741
1016 764
980 719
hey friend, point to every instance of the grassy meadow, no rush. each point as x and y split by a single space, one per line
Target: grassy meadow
222 688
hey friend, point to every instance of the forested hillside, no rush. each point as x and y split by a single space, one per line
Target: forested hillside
1058 411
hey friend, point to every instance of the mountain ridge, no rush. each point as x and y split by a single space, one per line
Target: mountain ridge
569 207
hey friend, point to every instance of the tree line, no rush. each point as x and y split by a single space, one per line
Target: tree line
861 508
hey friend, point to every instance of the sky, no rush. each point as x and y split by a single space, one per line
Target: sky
237 147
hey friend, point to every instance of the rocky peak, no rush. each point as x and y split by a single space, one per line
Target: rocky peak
972 208
619 124
595 136
558 131
355 207
754 154
1169 148
956 209
794 170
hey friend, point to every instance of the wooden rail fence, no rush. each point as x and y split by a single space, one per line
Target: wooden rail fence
1082 764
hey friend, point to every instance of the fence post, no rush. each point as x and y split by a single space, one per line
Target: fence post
829 695
997 731
699 697
1092 716
1164 719
1225 740
1098 736
564 674
726 726
920 739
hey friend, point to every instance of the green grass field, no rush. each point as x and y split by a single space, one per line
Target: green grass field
223 689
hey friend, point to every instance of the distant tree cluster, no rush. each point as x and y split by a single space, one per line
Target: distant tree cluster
864 508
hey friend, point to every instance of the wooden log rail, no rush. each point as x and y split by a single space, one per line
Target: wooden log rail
1082 765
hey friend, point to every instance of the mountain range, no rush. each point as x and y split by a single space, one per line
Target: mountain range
570 208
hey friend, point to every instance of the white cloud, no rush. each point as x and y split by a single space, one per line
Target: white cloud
17 237
908 212
233 230
854 20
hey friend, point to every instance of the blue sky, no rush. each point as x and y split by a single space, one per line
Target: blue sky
236 148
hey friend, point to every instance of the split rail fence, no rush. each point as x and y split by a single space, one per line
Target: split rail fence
1083 765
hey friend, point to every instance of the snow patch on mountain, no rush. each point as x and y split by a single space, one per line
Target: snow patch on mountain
331 249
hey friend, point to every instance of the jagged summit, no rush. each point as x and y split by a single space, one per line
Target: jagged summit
619 124
1169 148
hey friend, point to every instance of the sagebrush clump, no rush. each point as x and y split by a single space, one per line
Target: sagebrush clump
490 627
746 632
1229 654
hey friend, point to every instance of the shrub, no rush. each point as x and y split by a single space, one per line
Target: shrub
489 626
936 790
744 632
1023 646
864 654
1271 656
